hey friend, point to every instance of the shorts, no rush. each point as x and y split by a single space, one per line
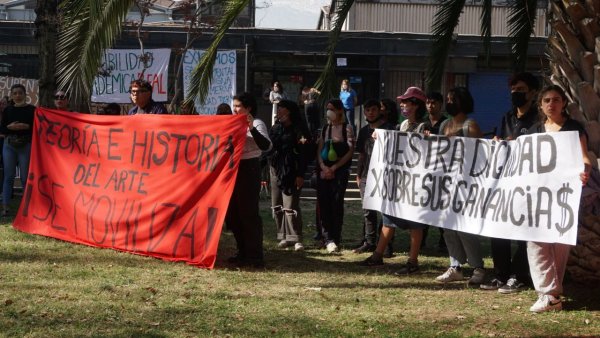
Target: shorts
395 222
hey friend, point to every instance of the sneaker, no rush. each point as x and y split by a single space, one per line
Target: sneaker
478 276
511 286
283 244
371 261
451 275
546 303
408 268
298 247
331 247
365 247
494 284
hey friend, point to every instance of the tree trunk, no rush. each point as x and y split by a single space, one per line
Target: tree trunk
575 31
46 23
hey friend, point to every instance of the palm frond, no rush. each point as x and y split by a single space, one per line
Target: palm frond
89 27
444 22
326 82
521 21
201 76
486 29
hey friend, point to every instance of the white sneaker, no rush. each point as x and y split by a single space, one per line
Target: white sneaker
298 247
283 244
546 303
478 276
331 247
451 275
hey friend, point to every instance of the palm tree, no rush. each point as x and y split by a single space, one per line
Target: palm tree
573 53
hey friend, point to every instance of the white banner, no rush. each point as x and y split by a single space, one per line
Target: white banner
124 66
526 189
222 87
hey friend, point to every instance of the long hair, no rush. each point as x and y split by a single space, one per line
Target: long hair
463 97
552 88
391 108
298 121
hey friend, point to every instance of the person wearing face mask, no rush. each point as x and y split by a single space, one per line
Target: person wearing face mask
512 271
288 161
412 105
462 247
364 145
335 149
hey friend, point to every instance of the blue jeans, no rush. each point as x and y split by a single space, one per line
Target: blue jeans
350 117
11 156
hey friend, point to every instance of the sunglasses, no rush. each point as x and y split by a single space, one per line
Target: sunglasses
60 97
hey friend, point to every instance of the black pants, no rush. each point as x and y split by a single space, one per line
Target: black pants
370 228
331 205
506 265
242 216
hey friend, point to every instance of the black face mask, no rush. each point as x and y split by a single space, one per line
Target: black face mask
518 99
451 109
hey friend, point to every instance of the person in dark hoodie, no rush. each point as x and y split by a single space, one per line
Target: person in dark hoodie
292 150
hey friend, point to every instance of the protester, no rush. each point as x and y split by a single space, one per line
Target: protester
292 150
548 261
412 104
277 94
17 126
335 149
309 97
242 214
390 109
462 247
111 109
512 272
432 125
349 100
141 96
375 118
224 109
61 100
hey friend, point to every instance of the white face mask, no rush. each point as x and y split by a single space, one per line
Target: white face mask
331 115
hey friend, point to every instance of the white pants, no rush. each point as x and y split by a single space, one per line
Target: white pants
547 265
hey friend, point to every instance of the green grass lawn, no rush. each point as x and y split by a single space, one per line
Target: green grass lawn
50 288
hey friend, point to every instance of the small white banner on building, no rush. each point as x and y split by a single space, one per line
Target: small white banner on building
525 189
124 66
222 86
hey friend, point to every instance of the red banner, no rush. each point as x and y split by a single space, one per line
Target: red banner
155 185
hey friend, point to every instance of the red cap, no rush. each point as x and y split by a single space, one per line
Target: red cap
415 92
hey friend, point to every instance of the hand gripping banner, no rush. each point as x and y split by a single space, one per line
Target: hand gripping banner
155 185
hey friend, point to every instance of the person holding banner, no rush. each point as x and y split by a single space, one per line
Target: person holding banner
462 247
141 96
412 105
242 216
512 271
17 126
289 158
335 149
61 100
548 261
364 146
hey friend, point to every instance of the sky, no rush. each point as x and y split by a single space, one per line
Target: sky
295 14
